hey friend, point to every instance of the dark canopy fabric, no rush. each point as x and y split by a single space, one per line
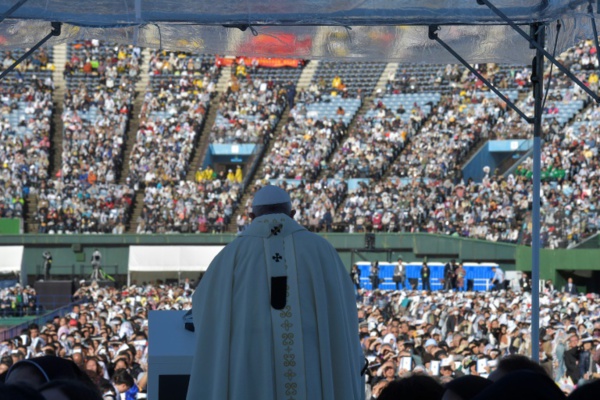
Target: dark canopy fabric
385 30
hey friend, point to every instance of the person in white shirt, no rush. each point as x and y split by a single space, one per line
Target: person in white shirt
498 279
399 274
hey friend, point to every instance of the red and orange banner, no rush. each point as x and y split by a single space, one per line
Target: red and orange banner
261 62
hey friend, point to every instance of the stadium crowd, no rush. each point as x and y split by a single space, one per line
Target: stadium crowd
413 150
25 126
172 117
452 334
108 65
105 335
444 335
98 101
66 207
305 143
18 301
249 109
376 141
426 191
190 207
457 124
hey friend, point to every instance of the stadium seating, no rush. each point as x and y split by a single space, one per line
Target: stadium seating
252 105
189 207
380 135
25 128
348 79
308 138
411 140
66 207
100 81
172 117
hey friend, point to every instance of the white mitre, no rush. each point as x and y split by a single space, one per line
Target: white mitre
270 195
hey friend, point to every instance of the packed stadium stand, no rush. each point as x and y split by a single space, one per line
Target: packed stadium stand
380 135
172 117
100 81
25 128
348 79
351 134
251 107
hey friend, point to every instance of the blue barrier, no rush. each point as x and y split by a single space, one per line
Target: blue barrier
480 273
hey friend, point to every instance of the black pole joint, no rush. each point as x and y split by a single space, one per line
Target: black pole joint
433 29
56 28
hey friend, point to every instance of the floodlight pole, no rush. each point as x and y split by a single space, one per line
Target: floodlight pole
536 41
537 80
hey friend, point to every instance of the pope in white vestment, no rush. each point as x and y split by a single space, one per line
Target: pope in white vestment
275 316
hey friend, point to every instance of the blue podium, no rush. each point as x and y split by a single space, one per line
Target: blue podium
170 354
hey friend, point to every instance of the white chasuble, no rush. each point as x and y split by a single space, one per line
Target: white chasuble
275 319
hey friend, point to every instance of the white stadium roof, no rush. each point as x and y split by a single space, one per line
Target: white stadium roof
381 30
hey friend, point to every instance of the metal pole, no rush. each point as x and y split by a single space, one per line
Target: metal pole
56 28
12 10
534 44
434 36
537 79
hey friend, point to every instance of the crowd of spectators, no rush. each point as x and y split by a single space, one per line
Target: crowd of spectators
18 301
442 335
104 336
428 150
569 153
448 335
561 92
25 127
375 142
40 60
426 192
570 182
97 109
249 109
163 148
172 117
497 209
453 78
204 206
71 207
110 65
305 142
98 101
457 124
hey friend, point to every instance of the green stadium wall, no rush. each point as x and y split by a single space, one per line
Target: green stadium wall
72 253
10 226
